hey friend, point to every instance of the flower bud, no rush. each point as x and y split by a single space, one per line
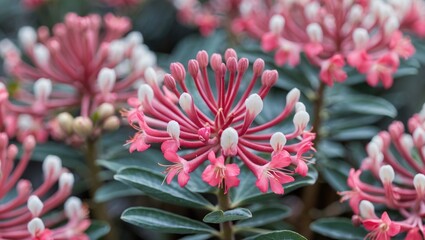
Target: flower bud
202 58
25 122
276 24
216 62
360 38
229 141
66 180
73 207
406 141
230 53
391 25
112 123
419 183
29 143
311 10
52 166
35 205
367 210
134 38
169 82
277 141
151 76
145 94
173 129
299 106
27 37
35 226
259 67
185 101
82 126
254 104
315 33
419 136
106 80
65 121
355 13
293 96
42 89
243 65
301 120
178 71
193 67
269 78
116 51
41 54
373 149
105 110
386 174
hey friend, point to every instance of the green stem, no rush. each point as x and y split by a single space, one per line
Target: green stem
226 228
318 108
98 210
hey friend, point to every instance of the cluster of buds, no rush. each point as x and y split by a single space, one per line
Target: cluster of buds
22 214
221 128
365 34
81 64
400 168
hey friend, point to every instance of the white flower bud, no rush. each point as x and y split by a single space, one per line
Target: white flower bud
35 205
106 80
254 104
25 122
73 207
419 136
315 33
360 38
173 129
229 141
311 10
299 106
65 121
112 123
301 120
145 93
419 183
277 141
35 226
105 110
293 96
150 76
42 89
185 101
329 22
66 180
355 13
406 141
373 149
391 25
276 24
367 210
7 46
386 174
52 165
134 38
27 37
41 54
116 51
378 141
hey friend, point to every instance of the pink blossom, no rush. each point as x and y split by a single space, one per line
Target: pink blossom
220 174
381 229
332 71
122 3
222 123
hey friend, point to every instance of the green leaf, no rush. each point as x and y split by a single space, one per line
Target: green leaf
358 133
265 215
156 219
278 235
227 216
112 190
151 183
335 172
97 230
338 228
364 104
197 237
247 192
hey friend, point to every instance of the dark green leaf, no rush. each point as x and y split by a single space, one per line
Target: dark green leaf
227 216
152 184
358 133
335 172
197 237
155 219
265 215
338 228
278 235
364 104
111 190
97 230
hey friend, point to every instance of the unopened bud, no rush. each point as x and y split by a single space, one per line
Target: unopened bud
419 183
27 37
391 25
386 174
41 54
116 51
105 110
185 101
169 81
25 122
173 129
35 226
373 149
229 141
52 166
269 77
301 120
42 89
293 96
66 180
193 67
134 38
276 24
216 62
367 210
419 136
230 53
112 123
106 80
299 106
73 207
406 141
35 205
82 126
254 104
315 33
29 143
65 121
355 14
243 65
145 94
150 76
178 71
311 10
277 141
202 58
360 38
259 67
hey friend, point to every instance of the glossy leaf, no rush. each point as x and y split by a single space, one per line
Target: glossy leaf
112 190
364 104
152 184
230 215
338 228
278 235
163 221
97 230
264 215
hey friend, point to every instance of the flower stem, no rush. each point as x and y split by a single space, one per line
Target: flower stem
310 194
226 228
97 209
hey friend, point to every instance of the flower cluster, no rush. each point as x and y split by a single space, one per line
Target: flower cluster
82 63
365 34
400 168
22 210
220 127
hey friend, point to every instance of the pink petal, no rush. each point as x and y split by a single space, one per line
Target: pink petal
183 178
262 184
269 41
276 186
232 170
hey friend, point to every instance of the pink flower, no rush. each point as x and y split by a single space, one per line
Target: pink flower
122 3
382 70
332 71
381 229
220 174
222 123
